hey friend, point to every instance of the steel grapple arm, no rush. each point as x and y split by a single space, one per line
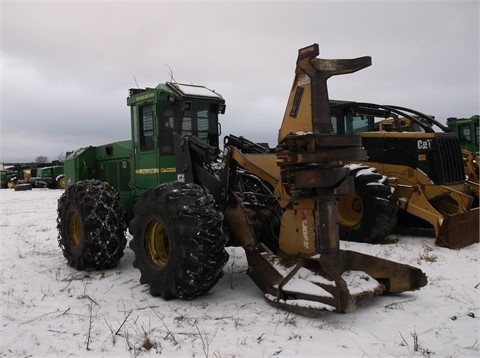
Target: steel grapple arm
280 206
307 272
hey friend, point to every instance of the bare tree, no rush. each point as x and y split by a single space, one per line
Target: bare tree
41 159
61 157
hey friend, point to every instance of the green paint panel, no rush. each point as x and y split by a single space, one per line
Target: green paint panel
467 130
79 165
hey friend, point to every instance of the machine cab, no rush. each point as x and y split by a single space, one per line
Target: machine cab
156 113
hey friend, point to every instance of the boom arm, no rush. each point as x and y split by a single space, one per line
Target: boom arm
301 177
308 105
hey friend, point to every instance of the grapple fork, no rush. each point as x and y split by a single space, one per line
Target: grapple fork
327 283
310 274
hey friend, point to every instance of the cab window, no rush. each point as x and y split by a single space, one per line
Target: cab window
201 121
146 127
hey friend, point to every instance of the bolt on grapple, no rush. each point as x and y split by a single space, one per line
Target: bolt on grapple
309 274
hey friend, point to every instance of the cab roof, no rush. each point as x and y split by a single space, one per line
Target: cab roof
194 90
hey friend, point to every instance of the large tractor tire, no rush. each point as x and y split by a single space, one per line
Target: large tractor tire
370 213
91 226
178 242
60 182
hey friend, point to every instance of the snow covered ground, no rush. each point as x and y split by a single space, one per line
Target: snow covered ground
50 309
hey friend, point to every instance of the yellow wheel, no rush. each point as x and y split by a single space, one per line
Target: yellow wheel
60 180
350 210
156 242
74 228
91 225
178 241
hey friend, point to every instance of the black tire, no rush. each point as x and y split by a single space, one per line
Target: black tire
22 187
91 226
60 182
178 242
370 214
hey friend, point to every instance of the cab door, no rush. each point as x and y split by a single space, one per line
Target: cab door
146 169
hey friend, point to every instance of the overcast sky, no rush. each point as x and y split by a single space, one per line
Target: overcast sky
67 66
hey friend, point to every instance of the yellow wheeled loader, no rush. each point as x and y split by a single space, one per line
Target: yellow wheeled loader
423 162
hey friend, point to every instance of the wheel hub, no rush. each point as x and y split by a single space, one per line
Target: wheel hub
74 228
350 210
156 242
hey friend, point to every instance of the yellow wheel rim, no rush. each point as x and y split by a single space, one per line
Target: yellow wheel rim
74 228
61 183
350 210
156 242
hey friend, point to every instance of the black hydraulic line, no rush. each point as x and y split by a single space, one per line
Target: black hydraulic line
402 111
428 118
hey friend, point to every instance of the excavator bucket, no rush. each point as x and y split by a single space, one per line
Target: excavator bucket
459 230
451 212
328 283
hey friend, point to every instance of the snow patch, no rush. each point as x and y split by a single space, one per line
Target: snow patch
301 303
304 281
359 282
49 309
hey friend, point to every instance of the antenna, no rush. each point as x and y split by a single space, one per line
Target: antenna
135 79
170 72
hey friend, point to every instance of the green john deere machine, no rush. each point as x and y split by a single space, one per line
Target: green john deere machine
22 177
51 176
133 166
15 174
5 175
183 199
466 130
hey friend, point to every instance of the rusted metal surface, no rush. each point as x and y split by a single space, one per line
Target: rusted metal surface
459 230
308 107
327 283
